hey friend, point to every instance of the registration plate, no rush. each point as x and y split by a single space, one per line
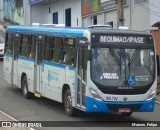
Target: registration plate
125 110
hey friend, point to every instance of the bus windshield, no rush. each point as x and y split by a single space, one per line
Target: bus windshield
122 67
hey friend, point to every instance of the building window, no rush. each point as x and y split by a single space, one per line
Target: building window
110 23
68 17
55 18
137 2
95 20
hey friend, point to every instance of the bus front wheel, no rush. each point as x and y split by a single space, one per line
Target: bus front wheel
25 91
69 110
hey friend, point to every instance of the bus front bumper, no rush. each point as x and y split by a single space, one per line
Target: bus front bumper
93 105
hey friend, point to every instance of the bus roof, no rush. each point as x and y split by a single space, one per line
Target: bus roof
67 31
47 30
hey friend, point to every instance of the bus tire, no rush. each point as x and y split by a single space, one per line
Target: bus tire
69 110
126 114
25 91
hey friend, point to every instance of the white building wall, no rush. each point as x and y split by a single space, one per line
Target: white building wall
38 14
140 17
60 6
136 17
27 13
154 10
100 19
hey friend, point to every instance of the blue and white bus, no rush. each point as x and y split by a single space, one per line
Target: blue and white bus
93 70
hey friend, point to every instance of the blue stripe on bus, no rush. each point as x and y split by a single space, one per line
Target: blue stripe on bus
44 62
93 105
57 65
45 30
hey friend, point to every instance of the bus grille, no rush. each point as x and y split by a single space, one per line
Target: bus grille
115 107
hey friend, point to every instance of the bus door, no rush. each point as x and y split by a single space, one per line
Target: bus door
16 43
38 64
81 75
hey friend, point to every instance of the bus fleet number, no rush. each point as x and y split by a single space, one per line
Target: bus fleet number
111 98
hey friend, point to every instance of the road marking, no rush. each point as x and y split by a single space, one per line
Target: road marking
13 119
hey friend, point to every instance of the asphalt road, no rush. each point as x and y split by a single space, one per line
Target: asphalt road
13 103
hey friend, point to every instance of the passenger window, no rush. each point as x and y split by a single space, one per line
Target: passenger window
52 48
47 49
58 50
25 46
32 47
8 47
69 51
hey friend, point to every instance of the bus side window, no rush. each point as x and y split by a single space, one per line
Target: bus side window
52 48
24 47
8 47
69 51
58 50
32 46
47 48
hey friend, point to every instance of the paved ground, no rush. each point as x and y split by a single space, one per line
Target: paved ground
4 117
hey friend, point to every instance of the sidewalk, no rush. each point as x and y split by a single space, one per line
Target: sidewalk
4 117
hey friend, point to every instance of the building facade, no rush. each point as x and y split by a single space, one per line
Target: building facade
66 12
138 14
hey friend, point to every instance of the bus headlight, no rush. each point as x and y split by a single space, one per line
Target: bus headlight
95 95
153 92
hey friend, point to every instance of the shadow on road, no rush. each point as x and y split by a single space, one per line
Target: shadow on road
58 107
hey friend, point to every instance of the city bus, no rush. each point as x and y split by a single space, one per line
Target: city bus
87 69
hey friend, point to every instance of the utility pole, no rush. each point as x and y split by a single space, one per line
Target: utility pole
120 13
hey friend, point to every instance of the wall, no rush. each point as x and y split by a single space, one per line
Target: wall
27 13
136 17
38 14
140 17
60 6
14 11
156 35
41 14
154 10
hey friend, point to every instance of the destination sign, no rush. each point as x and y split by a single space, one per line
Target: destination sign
122 39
